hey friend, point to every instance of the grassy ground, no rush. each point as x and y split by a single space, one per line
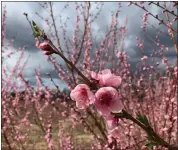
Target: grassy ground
35 139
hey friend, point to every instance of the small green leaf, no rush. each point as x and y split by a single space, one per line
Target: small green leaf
33 23
151 144
35 27
143 119
36 34
151 138
36 30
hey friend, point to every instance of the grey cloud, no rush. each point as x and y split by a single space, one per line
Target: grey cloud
18 27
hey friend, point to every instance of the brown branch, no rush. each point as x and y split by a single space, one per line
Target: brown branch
156 17
58 40
171 12
7 141
54 25
85 30
148 130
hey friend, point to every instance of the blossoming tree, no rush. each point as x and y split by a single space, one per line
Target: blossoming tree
127 110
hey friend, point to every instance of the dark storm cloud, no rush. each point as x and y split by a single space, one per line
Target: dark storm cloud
17 26
134 30
150 43
22 35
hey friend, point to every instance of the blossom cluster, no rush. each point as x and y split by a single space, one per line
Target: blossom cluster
106 98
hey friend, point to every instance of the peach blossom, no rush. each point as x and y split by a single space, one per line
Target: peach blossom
115 133
106 78
109 79
82 95
111 122
144 58
107 100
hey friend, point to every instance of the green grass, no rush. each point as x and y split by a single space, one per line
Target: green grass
36 139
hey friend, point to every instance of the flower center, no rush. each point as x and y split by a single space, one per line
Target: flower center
106 99
83 91
83 94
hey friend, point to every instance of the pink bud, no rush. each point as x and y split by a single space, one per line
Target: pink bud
47 53
45 47
144 58
144 68
141 45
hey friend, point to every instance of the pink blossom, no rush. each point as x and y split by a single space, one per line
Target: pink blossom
151 67
102 44
107 100
95 75
111 122
74 39
119 54
109 79
144 58
76 7
115 133
144 68
164 61
82 95
129 3
145 18
141 45
176 69
106 78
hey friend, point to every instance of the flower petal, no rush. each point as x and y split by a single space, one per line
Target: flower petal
102 109
117 106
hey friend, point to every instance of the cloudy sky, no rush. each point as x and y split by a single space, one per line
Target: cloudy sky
17 28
